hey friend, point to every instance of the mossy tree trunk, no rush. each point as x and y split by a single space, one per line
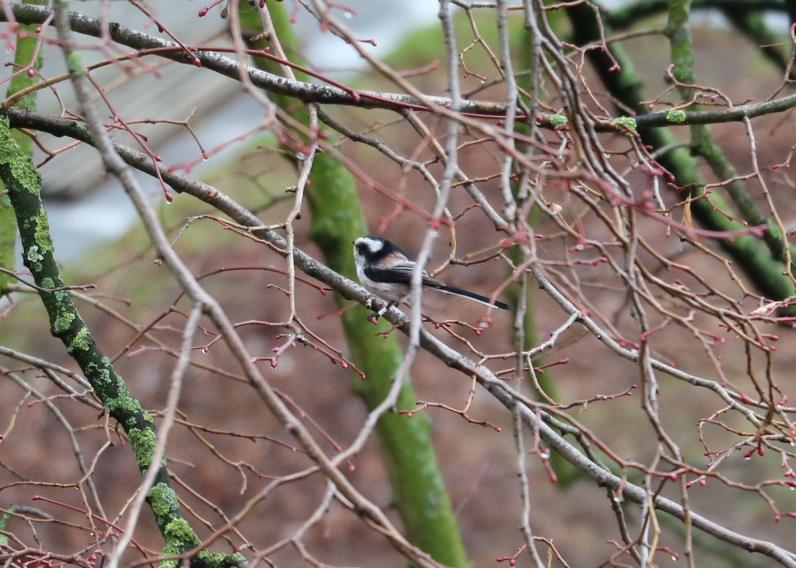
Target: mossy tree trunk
418 488
23 57
751 254
24 186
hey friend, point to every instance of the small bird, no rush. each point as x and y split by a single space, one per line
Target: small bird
385 270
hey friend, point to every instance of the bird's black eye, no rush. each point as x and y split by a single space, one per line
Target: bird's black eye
361 248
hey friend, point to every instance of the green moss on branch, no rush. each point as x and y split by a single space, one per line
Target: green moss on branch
25 55
748 251
419 491
702 141
24 184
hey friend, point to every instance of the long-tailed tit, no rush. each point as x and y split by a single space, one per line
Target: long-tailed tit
385 270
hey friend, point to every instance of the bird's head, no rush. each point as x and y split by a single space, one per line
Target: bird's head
368 248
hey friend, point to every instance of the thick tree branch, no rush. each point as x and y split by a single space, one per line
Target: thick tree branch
330 94
23 182
307 92
635 11
27 58
625 84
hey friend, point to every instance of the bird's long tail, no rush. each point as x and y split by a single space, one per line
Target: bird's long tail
467 294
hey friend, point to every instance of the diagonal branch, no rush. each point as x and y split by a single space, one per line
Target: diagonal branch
307 92
332 94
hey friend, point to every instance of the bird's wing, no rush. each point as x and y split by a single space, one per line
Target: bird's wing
402 274
397 273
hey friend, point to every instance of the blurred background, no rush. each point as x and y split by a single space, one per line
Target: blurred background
98 239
